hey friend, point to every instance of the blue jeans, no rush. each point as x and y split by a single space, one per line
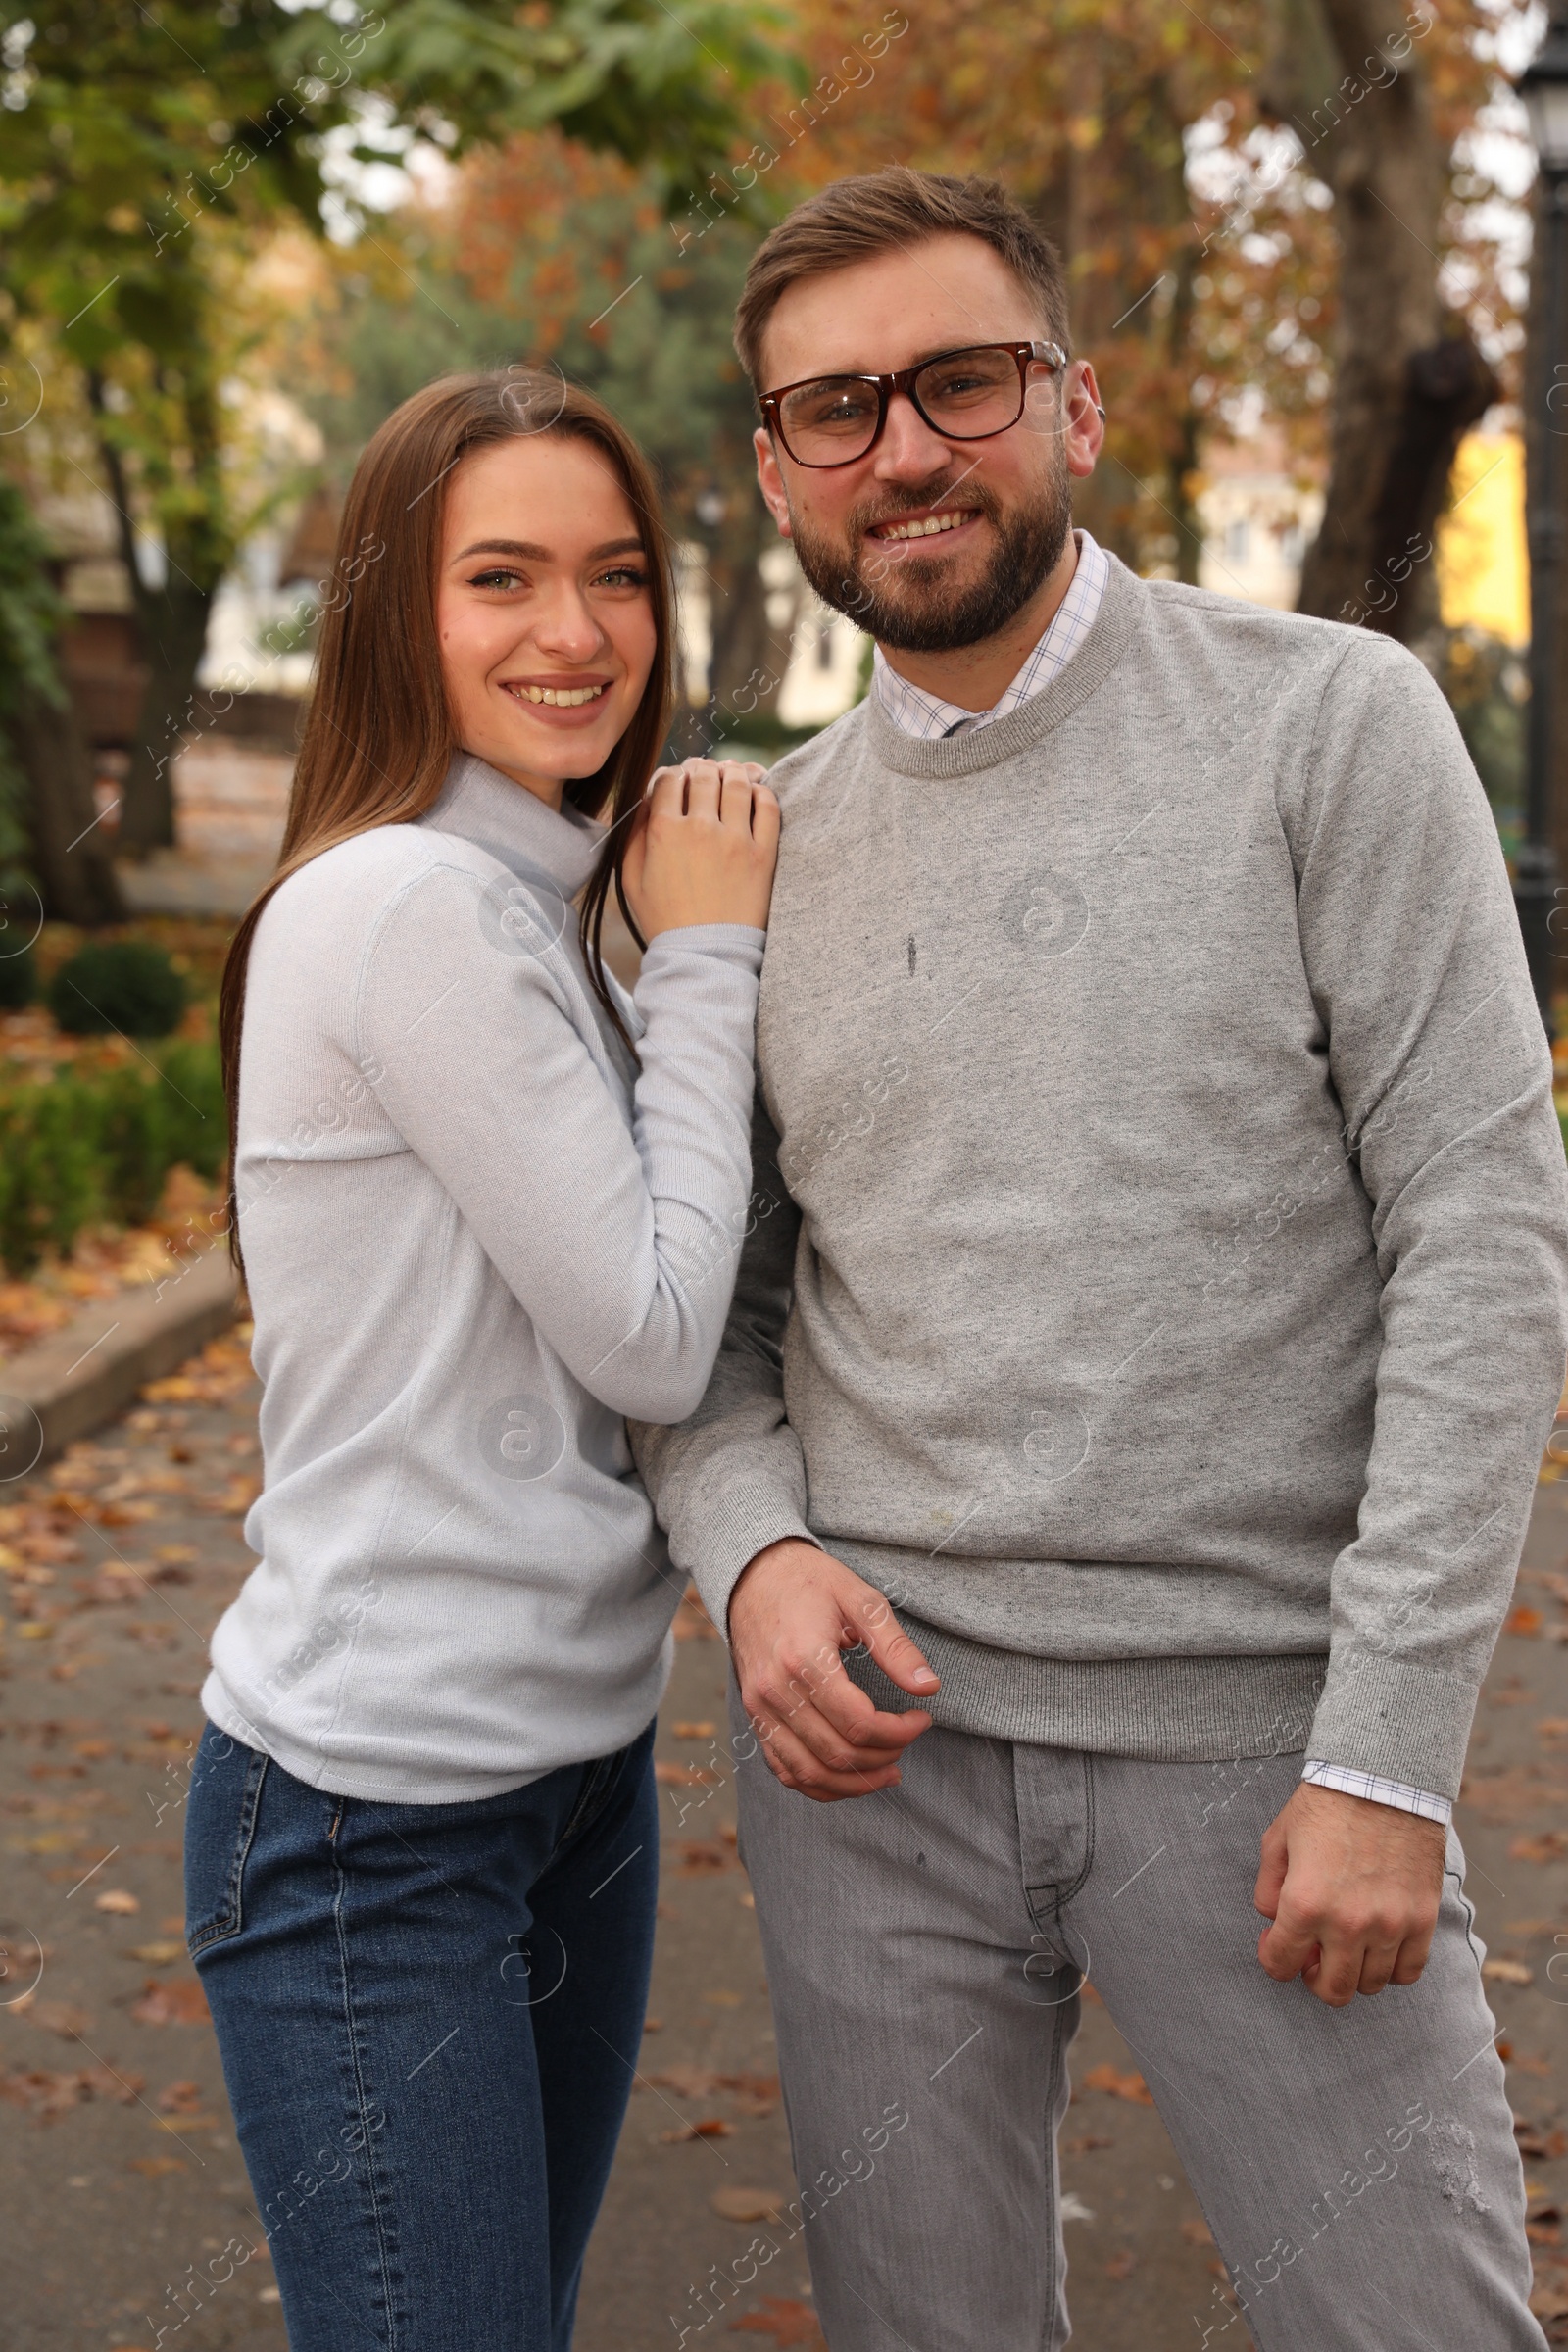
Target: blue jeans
428 2017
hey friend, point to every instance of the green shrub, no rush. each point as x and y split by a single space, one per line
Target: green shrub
192 1096
18 980
124 983
85 1151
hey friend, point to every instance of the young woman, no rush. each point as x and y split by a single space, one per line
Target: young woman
488 1204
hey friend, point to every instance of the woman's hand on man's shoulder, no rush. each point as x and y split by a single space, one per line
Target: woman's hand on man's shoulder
705 848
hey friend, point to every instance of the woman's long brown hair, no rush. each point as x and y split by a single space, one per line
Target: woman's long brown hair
378 738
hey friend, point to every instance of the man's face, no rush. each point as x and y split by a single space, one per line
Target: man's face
1003 503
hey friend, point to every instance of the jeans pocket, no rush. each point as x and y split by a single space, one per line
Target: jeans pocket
226 1796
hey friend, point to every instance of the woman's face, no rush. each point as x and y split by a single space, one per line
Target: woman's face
543 609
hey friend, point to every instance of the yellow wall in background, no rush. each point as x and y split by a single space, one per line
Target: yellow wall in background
1483 563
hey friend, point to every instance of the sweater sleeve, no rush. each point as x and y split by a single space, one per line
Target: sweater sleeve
621 1245
731 1480
1413 955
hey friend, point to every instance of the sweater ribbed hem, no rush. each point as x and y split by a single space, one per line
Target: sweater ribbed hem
1159 1711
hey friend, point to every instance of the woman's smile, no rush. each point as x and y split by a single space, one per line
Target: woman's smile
559 701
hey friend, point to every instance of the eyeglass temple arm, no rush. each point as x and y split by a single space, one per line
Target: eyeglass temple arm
1059 359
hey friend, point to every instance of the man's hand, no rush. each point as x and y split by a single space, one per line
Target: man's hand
1353 1891
791 1614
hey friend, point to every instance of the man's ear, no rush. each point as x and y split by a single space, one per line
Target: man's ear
1084 419
771 481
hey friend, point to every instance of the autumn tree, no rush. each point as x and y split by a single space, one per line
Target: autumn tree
1355 79
146 156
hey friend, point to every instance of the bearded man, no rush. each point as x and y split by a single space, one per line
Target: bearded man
1153 1315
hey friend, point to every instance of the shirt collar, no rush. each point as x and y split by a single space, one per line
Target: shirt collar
480 804
927 715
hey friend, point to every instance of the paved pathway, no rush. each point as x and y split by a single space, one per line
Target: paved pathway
120 2176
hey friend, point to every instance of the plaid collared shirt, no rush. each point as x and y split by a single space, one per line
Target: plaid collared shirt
1379 1792
917 712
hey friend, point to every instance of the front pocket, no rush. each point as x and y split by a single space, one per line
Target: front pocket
224 1800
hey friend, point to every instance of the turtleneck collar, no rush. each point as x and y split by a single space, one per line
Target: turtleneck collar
480 804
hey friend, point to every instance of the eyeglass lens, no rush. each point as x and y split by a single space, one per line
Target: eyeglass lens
966 394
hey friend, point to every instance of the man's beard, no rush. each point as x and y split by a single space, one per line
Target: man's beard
905 603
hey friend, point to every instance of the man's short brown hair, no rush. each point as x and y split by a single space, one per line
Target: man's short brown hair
885 212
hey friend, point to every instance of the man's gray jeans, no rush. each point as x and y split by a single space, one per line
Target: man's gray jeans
924 1947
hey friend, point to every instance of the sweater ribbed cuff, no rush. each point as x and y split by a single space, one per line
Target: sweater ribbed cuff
1402 1721
741 1525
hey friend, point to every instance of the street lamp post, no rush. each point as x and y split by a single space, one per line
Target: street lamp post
1544 88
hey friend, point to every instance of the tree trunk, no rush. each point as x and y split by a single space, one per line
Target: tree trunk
171 622
173 630
1545 412
1119 213
1182 471
69 853
1404 391
750 657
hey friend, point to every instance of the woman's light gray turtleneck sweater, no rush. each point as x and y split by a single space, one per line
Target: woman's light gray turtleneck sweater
475 1236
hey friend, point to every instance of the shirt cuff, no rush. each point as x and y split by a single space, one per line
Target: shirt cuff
1379 1792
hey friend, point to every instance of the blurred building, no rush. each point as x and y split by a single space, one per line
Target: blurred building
1257 520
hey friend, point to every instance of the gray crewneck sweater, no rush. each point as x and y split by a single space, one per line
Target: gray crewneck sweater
1165 1293
475 1235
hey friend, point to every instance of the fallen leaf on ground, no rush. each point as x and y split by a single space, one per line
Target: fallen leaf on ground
1523 1620
1539 2144
176 2001
1515 1793
702 1730
757 2094
749 2204
179 2099
711 2127
1122 2264
786 2321
1548 2303
702 1857
47 2094
237 1496
117 1898
1507 1972
1549 1846
1088 2140
58 2016
156 1955
1129 2086
1196 2233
